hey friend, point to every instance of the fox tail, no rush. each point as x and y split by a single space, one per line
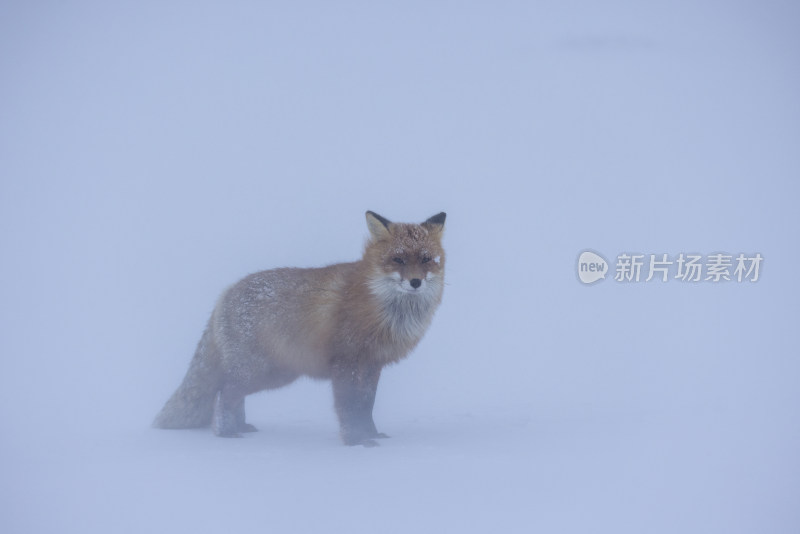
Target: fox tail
192 405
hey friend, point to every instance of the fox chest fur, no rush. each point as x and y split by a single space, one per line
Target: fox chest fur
343 322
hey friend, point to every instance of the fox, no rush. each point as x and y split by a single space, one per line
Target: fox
343 323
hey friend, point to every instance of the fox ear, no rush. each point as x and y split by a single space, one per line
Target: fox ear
378 226
435 224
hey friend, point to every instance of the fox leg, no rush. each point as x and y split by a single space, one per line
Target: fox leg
354 390
228 420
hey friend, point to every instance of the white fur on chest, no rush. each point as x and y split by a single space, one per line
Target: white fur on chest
406 312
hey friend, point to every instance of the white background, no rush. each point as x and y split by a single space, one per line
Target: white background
152 153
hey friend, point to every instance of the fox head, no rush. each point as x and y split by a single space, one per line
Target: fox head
407 260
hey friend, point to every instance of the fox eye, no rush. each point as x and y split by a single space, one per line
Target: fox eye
399 260
426 259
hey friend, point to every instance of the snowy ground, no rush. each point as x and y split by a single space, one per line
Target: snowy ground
153 153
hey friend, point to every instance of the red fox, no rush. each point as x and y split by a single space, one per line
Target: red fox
343 322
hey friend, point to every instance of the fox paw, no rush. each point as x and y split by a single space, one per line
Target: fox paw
228 434
367 440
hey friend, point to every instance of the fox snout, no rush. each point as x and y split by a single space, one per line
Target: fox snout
415 283
412 284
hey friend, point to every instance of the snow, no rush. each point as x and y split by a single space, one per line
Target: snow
152 154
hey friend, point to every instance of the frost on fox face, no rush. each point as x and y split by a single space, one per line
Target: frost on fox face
343 323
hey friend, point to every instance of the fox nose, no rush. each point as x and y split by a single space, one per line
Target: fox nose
415 282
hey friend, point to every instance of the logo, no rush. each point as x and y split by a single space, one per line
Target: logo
684 267
591 267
